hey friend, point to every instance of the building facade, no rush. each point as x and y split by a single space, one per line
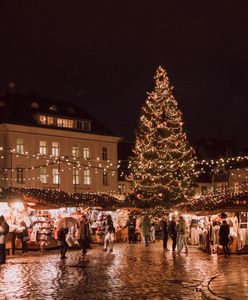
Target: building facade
51 144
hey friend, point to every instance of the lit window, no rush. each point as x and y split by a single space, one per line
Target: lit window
55 173
86 153
35 105
75 151
105 178
87 177
75 177
204 190
50 121
19 146
43 175
66 123
55 149
43 147
53 108
104 153
42 119
20 175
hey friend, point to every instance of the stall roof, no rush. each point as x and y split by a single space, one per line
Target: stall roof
216 203
49 199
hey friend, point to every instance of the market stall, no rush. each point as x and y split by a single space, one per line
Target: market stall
41 211
209 213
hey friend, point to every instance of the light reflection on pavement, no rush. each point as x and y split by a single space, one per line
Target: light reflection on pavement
130 272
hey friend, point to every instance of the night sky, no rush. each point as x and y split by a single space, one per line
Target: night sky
103 55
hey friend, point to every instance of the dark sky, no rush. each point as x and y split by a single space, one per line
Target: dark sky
103 55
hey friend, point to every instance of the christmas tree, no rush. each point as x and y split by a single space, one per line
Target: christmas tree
162 167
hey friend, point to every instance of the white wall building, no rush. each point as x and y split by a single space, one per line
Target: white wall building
56 145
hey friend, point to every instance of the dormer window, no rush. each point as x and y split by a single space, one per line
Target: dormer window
53 108
35 105
70 110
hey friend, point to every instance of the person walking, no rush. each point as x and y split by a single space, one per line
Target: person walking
131 225
182 235
84 234
164 228
63 244
145 225
152 231
109 232
4 230
173 232
224 237
24 237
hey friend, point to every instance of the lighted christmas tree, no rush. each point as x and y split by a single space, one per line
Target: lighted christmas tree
163 164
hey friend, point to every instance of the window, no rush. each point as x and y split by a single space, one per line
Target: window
53 108
75 151
19 146
1 103
86 126
35 105
79 125
64 123
236 187
70 110
86 153
55 149
42 119
105 178
204 190
104 153
20 175
43 175
87 177
55 173
43 148
75 178
50 121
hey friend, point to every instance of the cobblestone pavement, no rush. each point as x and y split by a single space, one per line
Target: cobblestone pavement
130 272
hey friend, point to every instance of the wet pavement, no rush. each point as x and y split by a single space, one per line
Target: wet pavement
130 272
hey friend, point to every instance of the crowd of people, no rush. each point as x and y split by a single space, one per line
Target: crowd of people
170 228
174 228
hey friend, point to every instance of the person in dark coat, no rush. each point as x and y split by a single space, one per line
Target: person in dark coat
164 228
4 230
131 225
224 237
84 234
172 229
24 237
62 237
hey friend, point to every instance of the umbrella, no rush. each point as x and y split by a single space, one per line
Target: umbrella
67 222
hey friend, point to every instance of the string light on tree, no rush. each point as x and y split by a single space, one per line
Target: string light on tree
163 163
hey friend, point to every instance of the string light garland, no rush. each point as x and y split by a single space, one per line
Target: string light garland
162 167
216 201
62 199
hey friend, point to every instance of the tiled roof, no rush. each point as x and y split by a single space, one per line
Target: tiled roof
19 108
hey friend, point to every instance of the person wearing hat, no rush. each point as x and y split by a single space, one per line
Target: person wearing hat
4 230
